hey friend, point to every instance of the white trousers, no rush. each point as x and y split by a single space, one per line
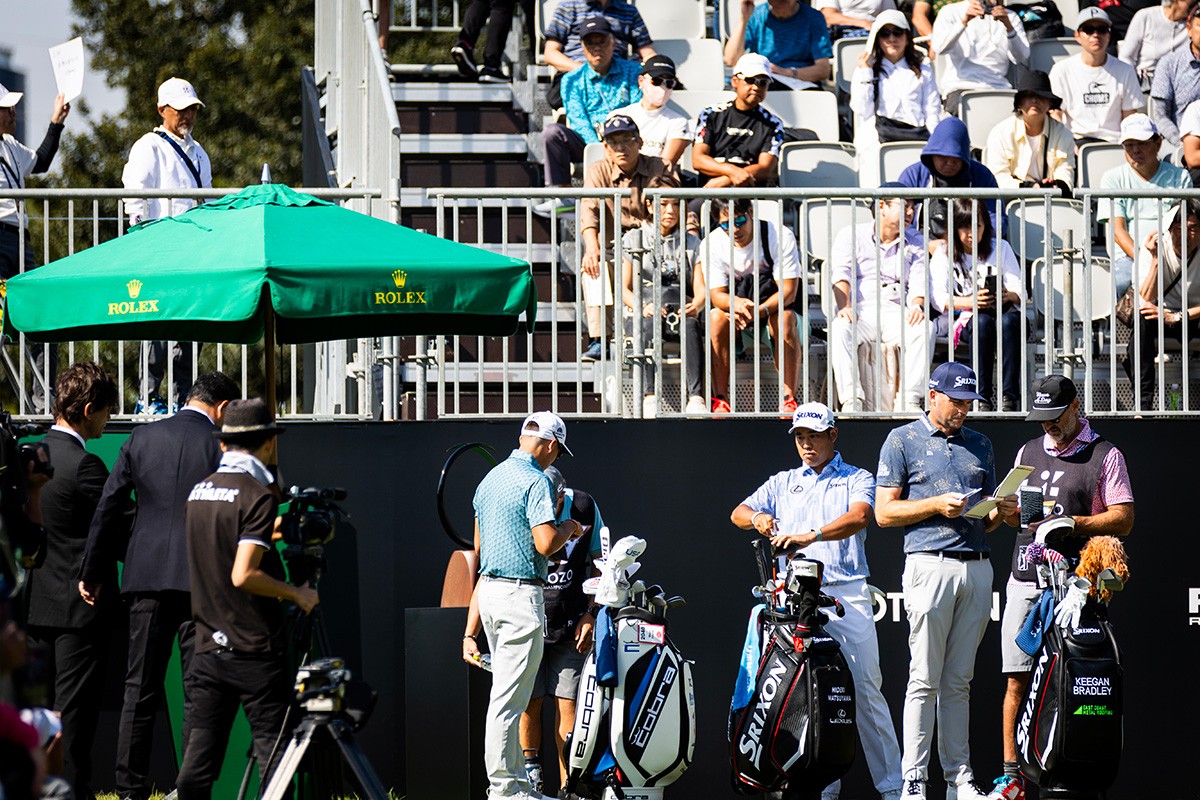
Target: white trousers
878 351
948 603
856 634
513 617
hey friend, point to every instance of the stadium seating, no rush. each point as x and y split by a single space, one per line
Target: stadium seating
817 164
692 102
1101 292
1094 160
820 220
697 62
673 19
895 157
1027 226
983 110
1045 53
815 110
845 61
592 152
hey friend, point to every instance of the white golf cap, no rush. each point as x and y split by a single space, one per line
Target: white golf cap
1138 127
751 64
9 99
1094 13
546 425
178 94
813 416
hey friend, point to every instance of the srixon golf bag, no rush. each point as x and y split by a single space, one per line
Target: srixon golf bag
796 725
635 714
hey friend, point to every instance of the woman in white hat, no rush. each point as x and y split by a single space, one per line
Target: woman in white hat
893 92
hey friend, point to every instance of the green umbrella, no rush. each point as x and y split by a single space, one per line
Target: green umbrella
268 256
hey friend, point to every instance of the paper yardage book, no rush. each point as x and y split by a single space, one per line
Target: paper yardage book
1007 486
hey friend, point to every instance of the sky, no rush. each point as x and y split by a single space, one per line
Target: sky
29 28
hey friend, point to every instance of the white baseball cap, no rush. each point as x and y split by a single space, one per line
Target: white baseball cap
546 425
1138 127
813 416
751 64
178 94
1092 13
8 99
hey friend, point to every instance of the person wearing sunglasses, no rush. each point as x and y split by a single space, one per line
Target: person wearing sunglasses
978 40
790 35
762 263
665 132
1097 90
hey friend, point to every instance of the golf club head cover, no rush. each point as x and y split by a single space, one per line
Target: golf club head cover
613 587
1053 530
1066 614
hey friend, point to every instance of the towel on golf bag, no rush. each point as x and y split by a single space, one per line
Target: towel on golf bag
606 648
798 727
1029 638
1070 731
747 675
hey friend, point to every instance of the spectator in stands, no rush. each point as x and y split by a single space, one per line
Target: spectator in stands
893 93
590 93
946 163
1121 12
852 18
1097 90
623 167
1153 32
1177 81
1133 219
665 132
1032 148
1179 293
790 35
764 254
971 286
880 285
680 316
498 14
1189 129
167 158
564 50
17 162
978 46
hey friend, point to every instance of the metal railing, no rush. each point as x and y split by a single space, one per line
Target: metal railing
412 16
1063 322
322 380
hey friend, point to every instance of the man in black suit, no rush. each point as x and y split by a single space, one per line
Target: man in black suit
77 633
161 462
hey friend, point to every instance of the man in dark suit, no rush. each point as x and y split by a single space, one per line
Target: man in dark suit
161 462
77 633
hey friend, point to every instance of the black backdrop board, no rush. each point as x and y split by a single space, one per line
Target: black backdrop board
675 483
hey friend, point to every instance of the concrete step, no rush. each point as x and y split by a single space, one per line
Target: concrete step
513 171
467 118
456 93
459 144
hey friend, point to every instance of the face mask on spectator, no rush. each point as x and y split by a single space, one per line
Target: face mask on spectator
657 95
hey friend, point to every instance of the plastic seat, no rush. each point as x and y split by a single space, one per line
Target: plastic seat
673 19
1045 53
692 102
817 164
697 61
895 157
982 110
1094 160
815 110
820 221
1102 292
1027 226
592 152
845 60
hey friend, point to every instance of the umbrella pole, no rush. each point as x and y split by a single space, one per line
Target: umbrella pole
269 354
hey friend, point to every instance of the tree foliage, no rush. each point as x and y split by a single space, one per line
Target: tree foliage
244 58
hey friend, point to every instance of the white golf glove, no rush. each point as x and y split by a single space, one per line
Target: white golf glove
1066 614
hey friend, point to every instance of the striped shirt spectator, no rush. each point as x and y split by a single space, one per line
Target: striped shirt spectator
1176 83
627 25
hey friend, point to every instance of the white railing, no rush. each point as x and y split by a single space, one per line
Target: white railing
411 16
323 380
1074 333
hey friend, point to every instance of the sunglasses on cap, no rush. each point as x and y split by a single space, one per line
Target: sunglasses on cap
738 222
761 81
1095 30
892 33
663 80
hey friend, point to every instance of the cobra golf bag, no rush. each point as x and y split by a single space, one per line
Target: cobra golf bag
1070 728
792 721
635 714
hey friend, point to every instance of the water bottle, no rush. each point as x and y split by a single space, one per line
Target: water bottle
1174 397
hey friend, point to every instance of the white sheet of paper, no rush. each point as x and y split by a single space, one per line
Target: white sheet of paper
67 59
1007 486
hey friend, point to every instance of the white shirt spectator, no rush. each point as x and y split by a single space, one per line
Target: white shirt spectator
657 126
155 164
1095 99
977 54
1150 36
1189 122
873 270
18 163
859 9
903 96
714 251
963 278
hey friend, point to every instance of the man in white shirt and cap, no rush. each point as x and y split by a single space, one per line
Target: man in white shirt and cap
167 158
1097 89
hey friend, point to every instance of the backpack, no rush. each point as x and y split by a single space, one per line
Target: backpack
1041 20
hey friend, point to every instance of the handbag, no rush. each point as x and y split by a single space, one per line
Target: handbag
1125 305
895 130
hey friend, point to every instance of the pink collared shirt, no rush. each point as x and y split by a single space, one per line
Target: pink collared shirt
1113 487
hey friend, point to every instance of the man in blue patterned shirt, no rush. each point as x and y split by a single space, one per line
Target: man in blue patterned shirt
930 473
564 41
515 531
824 508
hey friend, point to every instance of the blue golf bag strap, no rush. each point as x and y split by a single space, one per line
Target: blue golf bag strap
606 649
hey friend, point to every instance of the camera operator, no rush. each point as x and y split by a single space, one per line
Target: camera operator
237 581
24 470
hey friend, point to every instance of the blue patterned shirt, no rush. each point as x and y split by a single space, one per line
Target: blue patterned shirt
590 97
1176 85
803 500
628 27
797 41
923 462
513 499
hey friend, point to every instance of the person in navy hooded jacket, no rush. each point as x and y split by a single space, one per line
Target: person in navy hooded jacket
946 163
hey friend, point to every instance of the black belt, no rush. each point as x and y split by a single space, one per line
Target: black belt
17 229
957 555
517 581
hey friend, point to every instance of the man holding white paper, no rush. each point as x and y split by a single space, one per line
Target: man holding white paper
929 471
1079 475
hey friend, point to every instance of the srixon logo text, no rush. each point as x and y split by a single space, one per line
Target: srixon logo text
1026 723
751 739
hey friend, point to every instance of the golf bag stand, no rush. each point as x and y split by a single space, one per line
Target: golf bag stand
792 721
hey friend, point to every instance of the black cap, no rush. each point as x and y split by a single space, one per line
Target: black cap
1034 81
595 24
1051 396
618 123
247 418
658 65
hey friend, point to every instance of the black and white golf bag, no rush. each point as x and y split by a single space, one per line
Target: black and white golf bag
796 725
635 714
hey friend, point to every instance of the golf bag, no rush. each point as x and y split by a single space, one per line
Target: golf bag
1070 731
635 714
796 726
